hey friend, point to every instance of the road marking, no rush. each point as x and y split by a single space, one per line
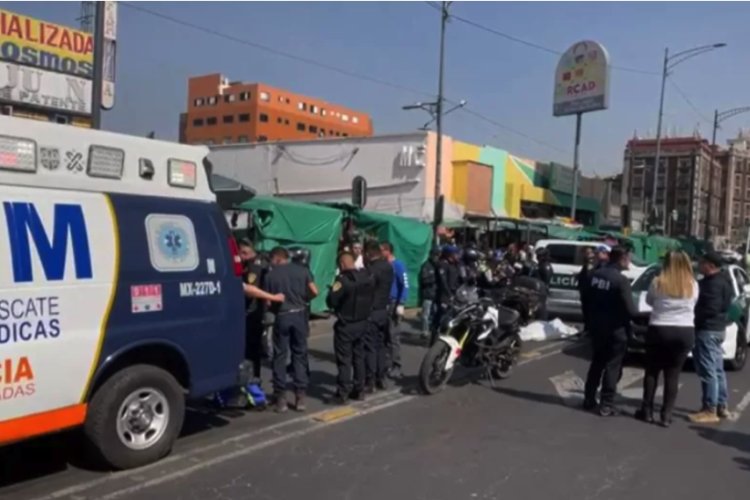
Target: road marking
741 406
75 491
629 377
247 450
336 414
569 387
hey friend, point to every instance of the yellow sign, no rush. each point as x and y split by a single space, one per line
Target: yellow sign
31 42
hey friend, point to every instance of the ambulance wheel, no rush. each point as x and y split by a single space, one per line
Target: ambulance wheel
135 417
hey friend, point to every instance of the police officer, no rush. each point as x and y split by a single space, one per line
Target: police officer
449 280
290 329
350 298
584 286
612 310
543 272
253 276
376 360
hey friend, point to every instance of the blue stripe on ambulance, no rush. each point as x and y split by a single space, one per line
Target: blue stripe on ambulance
198 328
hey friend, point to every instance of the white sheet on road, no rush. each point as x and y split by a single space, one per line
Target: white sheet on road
539 331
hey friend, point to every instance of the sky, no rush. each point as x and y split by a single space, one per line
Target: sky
398 42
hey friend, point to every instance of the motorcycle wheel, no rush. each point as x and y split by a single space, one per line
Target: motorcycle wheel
504 368
432 374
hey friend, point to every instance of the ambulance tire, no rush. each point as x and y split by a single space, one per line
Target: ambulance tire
100 427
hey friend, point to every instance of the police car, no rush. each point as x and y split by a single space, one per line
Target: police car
120 288
566 257
738 332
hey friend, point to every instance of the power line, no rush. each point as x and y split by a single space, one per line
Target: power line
690 103
274 51
328 67
537 46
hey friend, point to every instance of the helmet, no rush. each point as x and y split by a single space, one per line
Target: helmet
300 256
471 255
466 295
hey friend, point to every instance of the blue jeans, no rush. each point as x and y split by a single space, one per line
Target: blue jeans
709 363
427 315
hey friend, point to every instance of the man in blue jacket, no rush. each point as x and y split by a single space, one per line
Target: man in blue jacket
399 295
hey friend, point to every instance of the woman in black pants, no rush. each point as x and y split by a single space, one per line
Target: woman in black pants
671 334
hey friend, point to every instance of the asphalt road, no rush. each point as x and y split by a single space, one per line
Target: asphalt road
523 438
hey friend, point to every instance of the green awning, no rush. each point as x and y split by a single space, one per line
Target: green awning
583 202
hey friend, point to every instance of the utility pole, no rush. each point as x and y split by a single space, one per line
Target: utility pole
96 87
439 122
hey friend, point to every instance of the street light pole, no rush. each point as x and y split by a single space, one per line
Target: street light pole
718 118
669 63
439 121
657 160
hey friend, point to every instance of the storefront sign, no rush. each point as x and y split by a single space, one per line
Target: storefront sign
109 53
28 41
582 80
44 89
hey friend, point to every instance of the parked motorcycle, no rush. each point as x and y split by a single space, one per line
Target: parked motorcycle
476 332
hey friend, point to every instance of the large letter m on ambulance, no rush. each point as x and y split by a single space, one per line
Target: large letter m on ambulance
25 226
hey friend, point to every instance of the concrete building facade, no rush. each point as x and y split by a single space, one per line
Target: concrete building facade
220 111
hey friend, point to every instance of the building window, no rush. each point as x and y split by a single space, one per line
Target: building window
288 101
242 138
281 100
322 132
300 126
244 118
230 98
228 119
198 102
244 96
212 101
279 120
313 129
355 119
313 109
263 118
265 96
262 138
747 209
286 122
345 135
302 106
211 121
227 140
323 111
345 118
198 122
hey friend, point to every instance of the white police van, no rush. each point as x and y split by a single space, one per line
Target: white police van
120 288
566 257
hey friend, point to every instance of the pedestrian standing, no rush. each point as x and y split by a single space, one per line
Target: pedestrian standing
428 283
375 348
584 286
612 311
543 272
449 280
291 328
671 334
711 320
351 298
359 258
398 296
253 276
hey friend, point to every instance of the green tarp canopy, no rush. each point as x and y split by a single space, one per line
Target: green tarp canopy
411 240
279 221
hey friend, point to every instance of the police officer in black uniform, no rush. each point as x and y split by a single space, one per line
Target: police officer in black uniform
612 311
253 275
290 329
376 360
543 272
350 298
449 280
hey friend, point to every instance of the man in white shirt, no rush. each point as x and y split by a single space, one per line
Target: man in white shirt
359 261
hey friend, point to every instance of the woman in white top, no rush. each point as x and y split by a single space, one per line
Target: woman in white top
671 333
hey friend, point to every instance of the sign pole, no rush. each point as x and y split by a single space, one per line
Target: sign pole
579 117
96 87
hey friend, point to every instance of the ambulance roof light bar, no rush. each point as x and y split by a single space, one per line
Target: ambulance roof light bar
182 173
17 154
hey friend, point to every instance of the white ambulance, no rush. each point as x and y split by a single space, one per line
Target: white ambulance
120 288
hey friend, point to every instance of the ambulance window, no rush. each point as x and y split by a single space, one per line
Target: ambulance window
105 162
172 244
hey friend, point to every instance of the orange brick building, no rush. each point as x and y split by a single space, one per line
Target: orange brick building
223 112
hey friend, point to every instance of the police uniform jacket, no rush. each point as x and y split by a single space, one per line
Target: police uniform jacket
611 296
382 274
352 295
